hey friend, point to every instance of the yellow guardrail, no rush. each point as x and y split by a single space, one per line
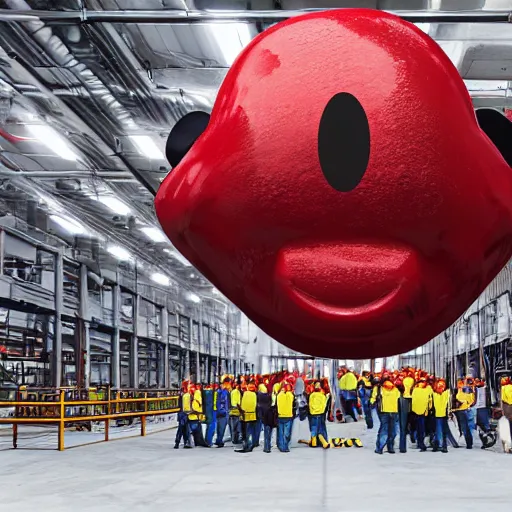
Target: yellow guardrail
61 412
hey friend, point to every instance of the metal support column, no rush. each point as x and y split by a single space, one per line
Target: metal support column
134 363
116 350
2 251
189 349
164 322
187 365
87 362
199 345
84 315
57 335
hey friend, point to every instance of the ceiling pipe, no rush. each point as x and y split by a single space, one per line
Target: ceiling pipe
67 174
55 48
183 16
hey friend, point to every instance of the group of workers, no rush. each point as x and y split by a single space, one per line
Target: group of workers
252 405
408 403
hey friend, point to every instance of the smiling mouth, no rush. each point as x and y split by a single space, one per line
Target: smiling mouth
358 288
339 310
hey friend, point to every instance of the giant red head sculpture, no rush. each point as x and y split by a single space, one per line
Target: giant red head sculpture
343 193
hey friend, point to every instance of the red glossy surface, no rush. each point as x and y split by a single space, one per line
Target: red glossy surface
372 272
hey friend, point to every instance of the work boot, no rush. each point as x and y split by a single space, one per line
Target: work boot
378 452
176 446
244 450
444 450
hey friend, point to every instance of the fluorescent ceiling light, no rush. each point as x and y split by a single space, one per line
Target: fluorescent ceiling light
51 139
192 297
119 252
69 225
147 146
231 38
154 234
114 204
178 257
160 279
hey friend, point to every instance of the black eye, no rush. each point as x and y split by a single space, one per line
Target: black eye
344 142
183 135
499 129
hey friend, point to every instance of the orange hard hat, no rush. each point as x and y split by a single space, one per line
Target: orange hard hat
440 386
388 384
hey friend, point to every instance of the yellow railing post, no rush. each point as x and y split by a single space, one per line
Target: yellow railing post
107 421
61 422
143 417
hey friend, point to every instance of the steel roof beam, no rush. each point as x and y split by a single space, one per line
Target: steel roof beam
182 16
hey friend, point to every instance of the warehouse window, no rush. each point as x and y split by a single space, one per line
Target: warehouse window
151 364
125 351
101 358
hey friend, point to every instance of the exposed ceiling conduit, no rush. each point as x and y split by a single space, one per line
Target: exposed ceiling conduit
182 16
57 50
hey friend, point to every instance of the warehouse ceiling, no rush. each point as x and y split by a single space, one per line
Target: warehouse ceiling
90 89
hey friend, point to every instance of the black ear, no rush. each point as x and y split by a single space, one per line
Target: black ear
183 135
499 129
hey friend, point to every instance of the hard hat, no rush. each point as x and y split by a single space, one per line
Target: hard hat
388 384
440 386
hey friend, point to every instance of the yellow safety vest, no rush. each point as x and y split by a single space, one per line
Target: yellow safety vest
285 404
249 401
348 382
275 390
317 403
408 385
506 394
466 400
197 406
441 401
185 402
235 399
421 401
389 400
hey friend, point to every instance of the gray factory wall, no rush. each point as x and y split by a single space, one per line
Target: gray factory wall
479 342
63 324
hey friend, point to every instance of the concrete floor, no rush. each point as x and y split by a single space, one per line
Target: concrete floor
147 475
